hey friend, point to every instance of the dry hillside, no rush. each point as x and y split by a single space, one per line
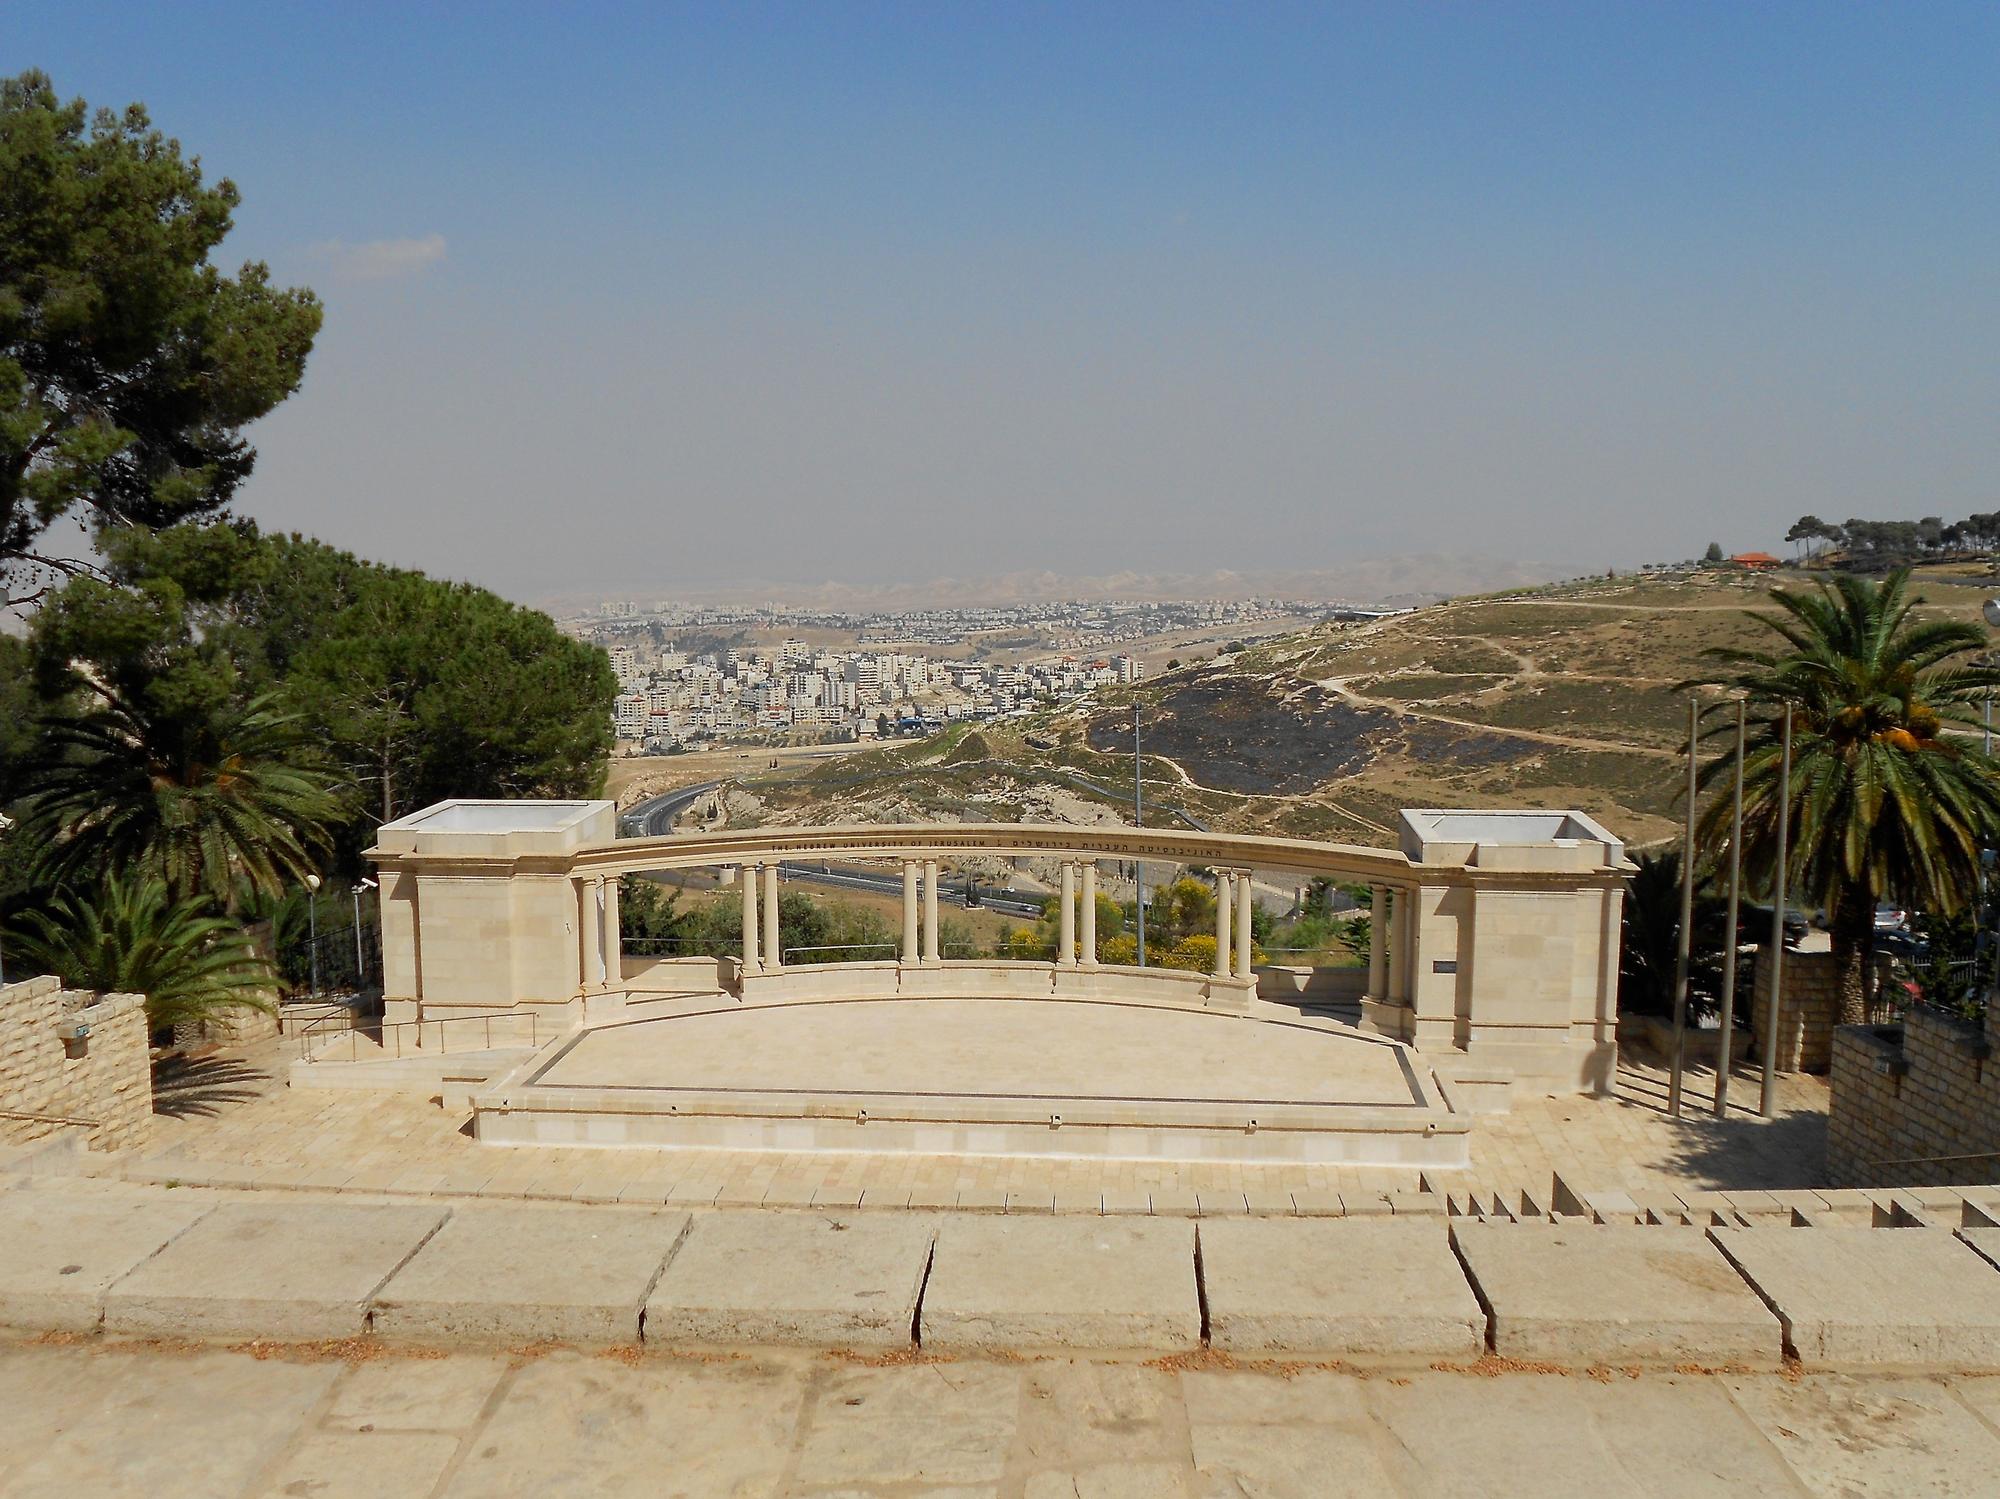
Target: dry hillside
1562 697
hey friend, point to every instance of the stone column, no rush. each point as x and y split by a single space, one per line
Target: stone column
1378 931
750 963
1224 894
596 908
774 950
932 951
1087 905
911 953
1066 923
614 943
1399 975
1243 926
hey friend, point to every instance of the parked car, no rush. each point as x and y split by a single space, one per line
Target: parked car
1897 942
1757 921
1890 918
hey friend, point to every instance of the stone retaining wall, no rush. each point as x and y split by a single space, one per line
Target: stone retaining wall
1809 1013
111 1084
1903 1096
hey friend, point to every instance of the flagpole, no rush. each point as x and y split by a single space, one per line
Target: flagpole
1681 956
1727 1020
1768 1098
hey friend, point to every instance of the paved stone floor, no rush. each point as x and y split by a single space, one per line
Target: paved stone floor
1012 1047
230 1117
162 1421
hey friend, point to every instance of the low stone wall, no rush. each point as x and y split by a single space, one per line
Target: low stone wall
1916 1104
237 1026
111 1084
1808 1014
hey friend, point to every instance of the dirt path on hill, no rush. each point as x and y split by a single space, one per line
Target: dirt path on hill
1338 686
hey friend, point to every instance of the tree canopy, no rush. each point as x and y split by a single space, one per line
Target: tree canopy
129 364
290 694
1885 801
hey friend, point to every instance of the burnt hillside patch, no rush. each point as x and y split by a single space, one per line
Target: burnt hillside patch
1237 734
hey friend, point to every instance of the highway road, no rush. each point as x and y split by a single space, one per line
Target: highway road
654 817
892 884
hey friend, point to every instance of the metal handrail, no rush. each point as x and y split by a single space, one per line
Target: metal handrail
333 1010
398 1027
32 1118
889 947
1940 1160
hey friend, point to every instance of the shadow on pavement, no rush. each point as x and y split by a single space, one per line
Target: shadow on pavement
186 1087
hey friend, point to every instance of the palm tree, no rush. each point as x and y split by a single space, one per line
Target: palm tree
200 802
1885 802
132 938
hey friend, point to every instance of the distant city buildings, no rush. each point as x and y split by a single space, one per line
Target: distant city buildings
672 696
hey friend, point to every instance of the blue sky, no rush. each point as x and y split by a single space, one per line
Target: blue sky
637 295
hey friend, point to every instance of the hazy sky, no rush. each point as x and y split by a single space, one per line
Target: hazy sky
838 291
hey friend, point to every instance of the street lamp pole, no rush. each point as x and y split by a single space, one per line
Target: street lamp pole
360 960
312 927
1138 821
1991 610
6 826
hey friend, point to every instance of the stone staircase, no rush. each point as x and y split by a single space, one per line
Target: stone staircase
1568 1199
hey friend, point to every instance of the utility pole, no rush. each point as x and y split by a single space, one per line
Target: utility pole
1727 1026
1138 821
1767 1098
1681 956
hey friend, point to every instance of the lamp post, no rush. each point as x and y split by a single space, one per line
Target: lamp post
360 962
312 927
1991 610
1138 821
6 826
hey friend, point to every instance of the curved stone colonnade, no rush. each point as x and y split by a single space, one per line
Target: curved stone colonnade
1501 955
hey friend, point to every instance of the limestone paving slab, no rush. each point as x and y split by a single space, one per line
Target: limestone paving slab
574 1424
1896 1438
1890 1296
1659 1436
189 1425
824 1279
1034 1282
293 1269
61 1251
510 1273
350 1465
415 1394
1377 1287
1602 1293
936 1424
1985 1240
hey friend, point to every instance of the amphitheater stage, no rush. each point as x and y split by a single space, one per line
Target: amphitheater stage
966 1075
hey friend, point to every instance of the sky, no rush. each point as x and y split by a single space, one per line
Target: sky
624 296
